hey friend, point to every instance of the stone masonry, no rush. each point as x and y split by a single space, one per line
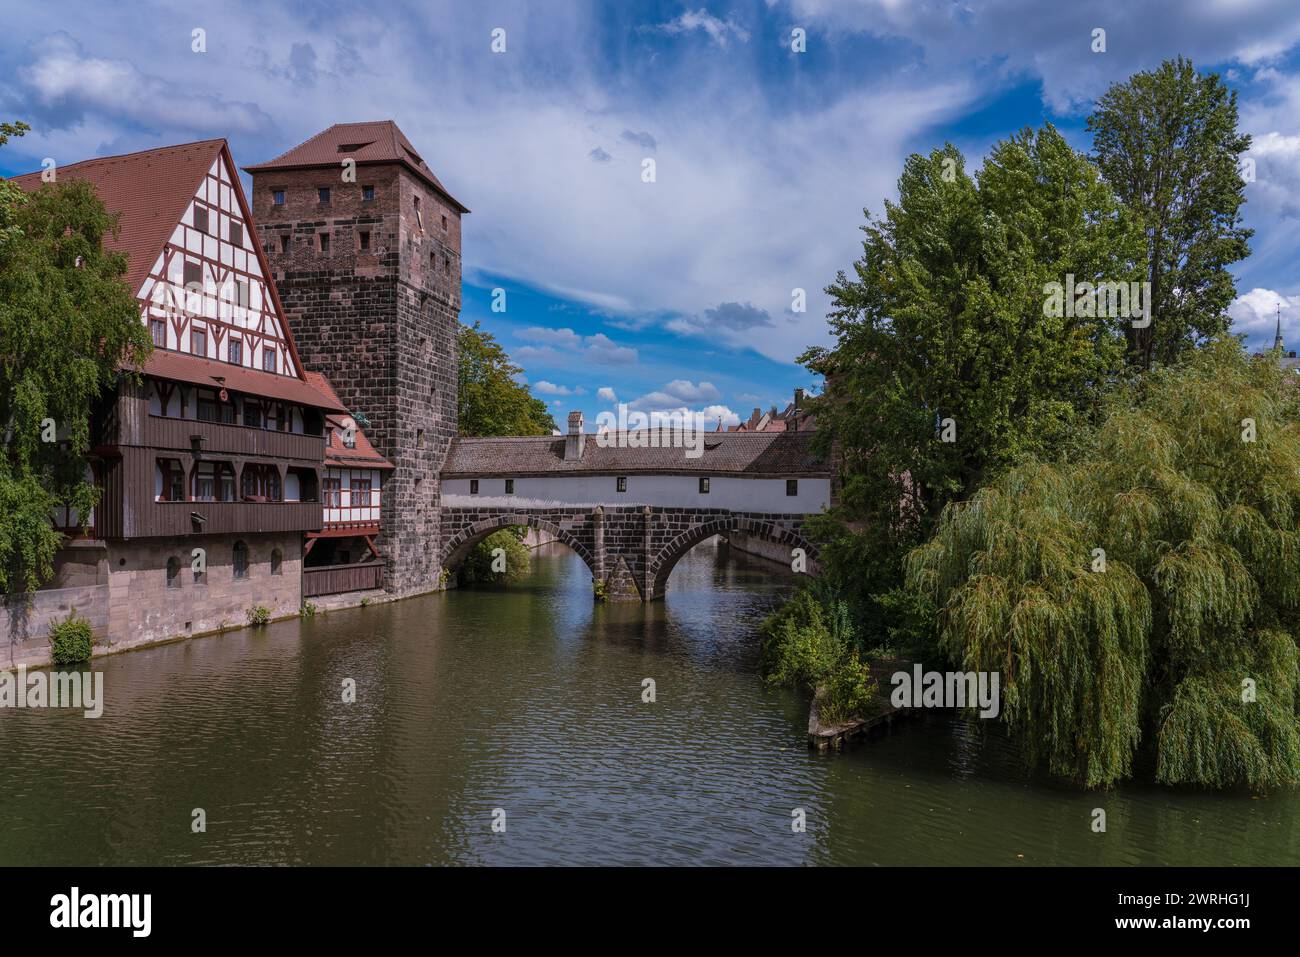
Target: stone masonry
632 550
380 322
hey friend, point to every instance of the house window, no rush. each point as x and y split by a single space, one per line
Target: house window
158 331
277 197
237 233
331 492
193 274
173 481
200 219
239 558
208 409
252 414
214 482
261 483
268 359
510 486
324 239
361 493
277 561
235 352
198 342
704 486
473 486
791 486
621 483
367 193
241 293
173 572
324 194
284 242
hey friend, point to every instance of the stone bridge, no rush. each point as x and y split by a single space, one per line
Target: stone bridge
631 549
630 507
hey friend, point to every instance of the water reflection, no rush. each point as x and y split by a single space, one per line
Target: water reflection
529 700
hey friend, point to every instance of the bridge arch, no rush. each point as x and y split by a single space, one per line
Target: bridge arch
665 560
458 546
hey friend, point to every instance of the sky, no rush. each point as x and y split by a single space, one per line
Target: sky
679 292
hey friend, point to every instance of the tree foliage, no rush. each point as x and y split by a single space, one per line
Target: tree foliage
66 322
490 399
1184 639
1167 142
943 318
480 564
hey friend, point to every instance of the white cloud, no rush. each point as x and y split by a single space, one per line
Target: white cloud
720 31
1256 314
606 394
561 344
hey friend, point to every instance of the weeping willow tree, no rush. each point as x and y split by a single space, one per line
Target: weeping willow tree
1143 593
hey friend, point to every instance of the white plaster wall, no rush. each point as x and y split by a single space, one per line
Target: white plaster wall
680 491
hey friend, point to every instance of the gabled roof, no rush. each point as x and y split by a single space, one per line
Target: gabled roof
370 143
338 455
150 190
753 454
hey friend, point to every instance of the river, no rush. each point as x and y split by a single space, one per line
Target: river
524 706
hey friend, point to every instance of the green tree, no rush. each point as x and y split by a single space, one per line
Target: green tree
1147 591
502 549
67 320
1167 142
947 366
490 400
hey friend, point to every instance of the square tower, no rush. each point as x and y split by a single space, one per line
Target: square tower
364 244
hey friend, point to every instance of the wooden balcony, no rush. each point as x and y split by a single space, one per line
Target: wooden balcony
177 518
218 438
335 579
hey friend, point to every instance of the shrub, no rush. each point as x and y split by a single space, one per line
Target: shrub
808 645
308 610
70 640
599 589
478 565
258 615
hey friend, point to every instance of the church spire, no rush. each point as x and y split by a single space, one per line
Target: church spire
1277 337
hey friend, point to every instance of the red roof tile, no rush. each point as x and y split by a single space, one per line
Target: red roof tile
149 191
378 141
180 367
336 453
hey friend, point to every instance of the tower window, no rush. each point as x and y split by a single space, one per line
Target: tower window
446 264
284 242
365 239
239 558
444 221
419 438
367 193
173 572
277 197
324 239
324 194
200 219
419 220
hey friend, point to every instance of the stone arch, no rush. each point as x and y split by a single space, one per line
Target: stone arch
454 552
665 560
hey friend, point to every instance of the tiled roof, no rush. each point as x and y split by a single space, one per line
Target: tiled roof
181 367
149 191
378 141
337 454
748 453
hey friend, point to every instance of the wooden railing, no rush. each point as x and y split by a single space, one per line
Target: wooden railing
333 579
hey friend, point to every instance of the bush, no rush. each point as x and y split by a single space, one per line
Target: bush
258 615
809 643
70 640
308 610
478 569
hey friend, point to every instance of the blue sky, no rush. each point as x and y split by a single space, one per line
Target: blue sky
678 292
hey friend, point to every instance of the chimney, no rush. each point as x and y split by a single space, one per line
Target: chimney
798 398
575 440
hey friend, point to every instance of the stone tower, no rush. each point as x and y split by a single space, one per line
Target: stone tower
364 244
